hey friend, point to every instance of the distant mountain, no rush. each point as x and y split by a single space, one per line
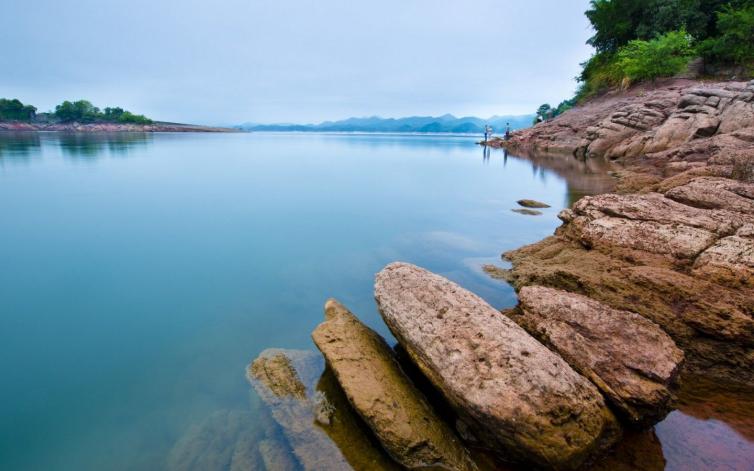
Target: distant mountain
424 124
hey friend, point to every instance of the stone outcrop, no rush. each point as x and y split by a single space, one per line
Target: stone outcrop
520 398
645 120
395 410
683 259
629 358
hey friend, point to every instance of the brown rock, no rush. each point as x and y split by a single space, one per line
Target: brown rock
729 261
520 398
384 397
629 358
716 193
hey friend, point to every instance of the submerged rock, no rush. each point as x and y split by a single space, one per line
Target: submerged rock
226 440
519 397
397 412
532 204
629 358
284 379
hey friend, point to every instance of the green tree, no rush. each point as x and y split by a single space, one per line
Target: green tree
82 111
14 110
735 43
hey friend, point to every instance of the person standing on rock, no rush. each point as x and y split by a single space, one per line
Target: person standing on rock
507 131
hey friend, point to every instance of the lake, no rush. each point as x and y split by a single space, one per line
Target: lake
141 273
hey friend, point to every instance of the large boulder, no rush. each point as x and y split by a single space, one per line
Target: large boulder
519 397
395 410
629 358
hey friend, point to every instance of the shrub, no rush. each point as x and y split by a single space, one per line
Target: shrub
661 57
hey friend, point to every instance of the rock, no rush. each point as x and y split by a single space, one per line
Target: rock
521 399
527 212
716 193
285 379
710 322
532 204
729 261
629 358
397 412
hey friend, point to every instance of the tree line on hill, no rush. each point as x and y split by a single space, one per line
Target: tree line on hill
80 111
641 40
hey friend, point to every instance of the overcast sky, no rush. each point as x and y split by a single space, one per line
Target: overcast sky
231 61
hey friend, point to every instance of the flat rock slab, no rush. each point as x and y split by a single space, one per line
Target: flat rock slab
395 410
285 379
629 358
520 398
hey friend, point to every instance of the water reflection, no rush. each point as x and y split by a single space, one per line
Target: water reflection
18 146
95 145
584 178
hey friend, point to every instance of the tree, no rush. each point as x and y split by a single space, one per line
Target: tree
82 111
14 110
735 43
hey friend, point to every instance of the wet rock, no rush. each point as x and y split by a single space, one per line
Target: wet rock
285 379
527 212
629 358
532 204
384 397
521 399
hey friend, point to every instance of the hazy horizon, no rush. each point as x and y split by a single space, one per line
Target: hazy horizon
236 61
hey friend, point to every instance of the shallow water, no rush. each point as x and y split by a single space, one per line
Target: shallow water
140 273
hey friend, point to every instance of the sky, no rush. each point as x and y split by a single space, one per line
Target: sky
265 61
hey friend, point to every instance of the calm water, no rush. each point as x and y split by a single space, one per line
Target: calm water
139 273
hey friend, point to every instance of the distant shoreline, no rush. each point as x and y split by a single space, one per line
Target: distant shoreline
16 126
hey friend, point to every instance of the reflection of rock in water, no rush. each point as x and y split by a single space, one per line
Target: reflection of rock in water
713 429
285 379
226 440
638 451
710 400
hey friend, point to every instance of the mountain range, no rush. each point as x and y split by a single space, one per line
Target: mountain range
414 124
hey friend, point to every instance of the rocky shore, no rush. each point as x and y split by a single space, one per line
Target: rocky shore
109 127
636 291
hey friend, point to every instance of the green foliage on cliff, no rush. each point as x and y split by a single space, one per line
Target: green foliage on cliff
645 39
82 111
14 110
661 57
